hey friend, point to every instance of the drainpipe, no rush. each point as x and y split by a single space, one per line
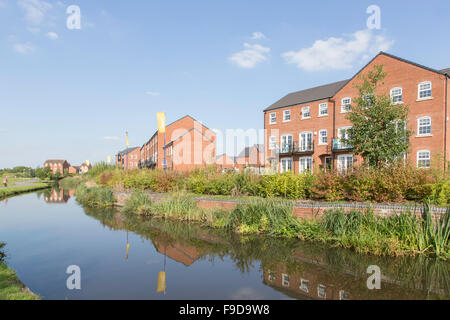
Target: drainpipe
446 120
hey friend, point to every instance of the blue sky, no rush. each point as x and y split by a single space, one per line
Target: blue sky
72 94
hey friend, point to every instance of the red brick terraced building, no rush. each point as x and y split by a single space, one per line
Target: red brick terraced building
305 128
188 145
57 166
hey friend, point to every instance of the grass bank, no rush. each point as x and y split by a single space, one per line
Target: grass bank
4 193
10 286
362 231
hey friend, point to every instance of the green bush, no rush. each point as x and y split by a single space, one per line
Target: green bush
2 253
138 203
264 216
286 185
95 196
441 193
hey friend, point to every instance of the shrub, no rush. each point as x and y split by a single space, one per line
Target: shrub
441 193
95 197
2 253
269 216
138 203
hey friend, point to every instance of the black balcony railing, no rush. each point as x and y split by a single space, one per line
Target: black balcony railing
297 148
339 146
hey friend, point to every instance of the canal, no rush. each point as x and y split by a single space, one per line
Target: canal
121 257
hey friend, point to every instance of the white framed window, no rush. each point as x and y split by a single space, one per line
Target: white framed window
306 112
306 141
323 137
424 126
345 162
397 95
322 291
304 285
346 105
424 159
425 90
323 109
368 98
286 165
272 142
286 143
271 276
273 118
306 164
343 134
285 280
286 115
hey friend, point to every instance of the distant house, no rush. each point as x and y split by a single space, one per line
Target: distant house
226 162
251 157
85 167
129 158
57 166
74 170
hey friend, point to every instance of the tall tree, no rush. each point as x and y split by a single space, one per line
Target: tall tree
379 133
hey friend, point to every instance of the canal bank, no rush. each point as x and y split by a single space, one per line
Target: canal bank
11 288
17 190
408 232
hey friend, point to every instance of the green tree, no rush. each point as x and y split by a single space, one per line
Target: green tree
379 133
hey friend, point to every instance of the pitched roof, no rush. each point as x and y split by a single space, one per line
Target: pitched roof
446 71
308 95
246 152
55 161
128 150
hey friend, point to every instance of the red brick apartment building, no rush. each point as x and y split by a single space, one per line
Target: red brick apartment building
57 166
304 129
129 158
189 145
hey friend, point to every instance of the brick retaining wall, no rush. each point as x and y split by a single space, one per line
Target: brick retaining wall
302 210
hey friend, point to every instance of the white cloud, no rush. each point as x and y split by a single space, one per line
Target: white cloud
258 35
153 94
35 10
24 48
339 53
111 138
251 56
52 35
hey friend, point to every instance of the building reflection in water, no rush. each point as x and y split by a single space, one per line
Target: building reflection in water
58 195
296 269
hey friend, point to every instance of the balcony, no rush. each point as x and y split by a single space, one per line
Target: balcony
338 146
297 148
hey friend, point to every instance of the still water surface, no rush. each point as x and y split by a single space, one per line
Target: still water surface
48 231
